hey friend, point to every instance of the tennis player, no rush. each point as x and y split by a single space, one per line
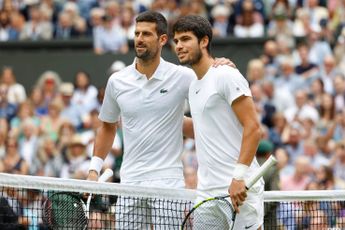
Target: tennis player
149 96
227 131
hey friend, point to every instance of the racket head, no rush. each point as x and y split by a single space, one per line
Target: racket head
213 213
63 210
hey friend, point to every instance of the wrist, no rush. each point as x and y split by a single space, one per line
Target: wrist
96 164
240 171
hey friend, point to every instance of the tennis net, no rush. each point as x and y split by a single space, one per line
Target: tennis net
115 206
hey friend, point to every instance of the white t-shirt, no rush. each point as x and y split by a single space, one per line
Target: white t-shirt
218 132
152 116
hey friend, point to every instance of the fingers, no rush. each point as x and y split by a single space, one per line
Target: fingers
238 193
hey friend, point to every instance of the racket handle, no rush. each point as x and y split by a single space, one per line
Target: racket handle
260 172
106 175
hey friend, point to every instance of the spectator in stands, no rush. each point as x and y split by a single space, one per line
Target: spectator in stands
78 162
327 114
17 25
300 178
319 49
50 123
127 21
280 23
112 10
110 38
96 19
328 71
249 23
24 111
339 91
270 58
36 28
301 25
221 24
255 71
7 110
306 69
50 159
281 99
9 211
294 143
325 178
12 161
84 95
315 92
302 109
4 26
36 99
338 162
28 143
65 29
16 92
287 77
71 111
49 83
278 130
316 11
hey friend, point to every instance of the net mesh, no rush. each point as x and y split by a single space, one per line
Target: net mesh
115 206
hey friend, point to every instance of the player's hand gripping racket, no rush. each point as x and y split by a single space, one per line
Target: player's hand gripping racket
207 214
67 210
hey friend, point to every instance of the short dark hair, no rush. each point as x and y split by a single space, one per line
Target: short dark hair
200 27
155 17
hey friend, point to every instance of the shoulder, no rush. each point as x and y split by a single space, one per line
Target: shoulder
228 73
122 74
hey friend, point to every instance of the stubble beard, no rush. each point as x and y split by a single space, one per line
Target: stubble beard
194 59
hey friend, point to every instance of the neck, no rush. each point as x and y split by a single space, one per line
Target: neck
147 67
202 66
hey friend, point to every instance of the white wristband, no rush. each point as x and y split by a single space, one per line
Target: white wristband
240 171
96 164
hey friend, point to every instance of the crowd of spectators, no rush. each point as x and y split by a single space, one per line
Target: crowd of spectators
298 87
110 23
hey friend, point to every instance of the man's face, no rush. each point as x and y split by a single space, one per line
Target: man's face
146 40
187 48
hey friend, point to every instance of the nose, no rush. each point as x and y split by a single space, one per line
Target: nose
178 46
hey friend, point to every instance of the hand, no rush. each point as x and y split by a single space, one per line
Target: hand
238 193
92 175
223 61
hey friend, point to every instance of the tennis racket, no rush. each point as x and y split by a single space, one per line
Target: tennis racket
67 210
208 213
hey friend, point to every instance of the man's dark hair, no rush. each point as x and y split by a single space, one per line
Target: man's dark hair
155 17
200 27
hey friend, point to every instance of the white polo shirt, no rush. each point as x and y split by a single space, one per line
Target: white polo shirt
218 132
152 116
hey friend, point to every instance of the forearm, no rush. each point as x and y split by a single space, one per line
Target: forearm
188 130
104 140
250 141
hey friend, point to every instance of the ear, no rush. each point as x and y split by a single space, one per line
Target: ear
163 39
204 42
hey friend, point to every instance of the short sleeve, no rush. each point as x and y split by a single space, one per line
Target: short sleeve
231 85
110 110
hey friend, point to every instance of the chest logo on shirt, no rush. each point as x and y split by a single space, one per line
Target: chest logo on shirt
196 92
163 91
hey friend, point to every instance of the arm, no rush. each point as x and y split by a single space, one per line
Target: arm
188 130
244 109
103 144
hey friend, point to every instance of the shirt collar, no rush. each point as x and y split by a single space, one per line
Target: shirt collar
158 74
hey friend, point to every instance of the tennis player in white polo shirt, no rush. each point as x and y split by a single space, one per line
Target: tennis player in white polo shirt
227 131
149 95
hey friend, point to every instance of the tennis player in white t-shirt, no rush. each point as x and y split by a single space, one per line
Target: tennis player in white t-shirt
149 95
227 131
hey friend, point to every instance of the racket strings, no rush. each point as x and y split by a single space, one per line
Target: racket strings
215 214
65 211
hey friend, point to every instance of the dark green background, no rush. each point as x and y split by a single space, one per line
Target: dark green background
31 59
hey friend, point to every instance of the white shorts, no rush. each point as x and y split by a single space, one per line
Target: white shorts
250 216
139 213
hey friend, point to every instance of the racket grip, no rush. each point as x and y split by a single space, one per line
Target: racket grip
261 171
106 175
